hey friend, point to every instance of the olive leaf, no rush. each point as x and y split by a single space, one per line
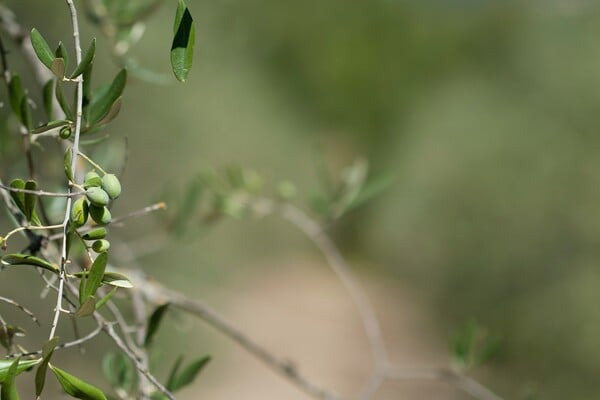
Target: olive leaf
40 374
9 389
182 47
88 58
102 103
75 387
24 259
41 48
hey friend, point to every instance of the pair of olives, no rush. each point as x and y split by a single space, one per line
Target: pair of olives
100 244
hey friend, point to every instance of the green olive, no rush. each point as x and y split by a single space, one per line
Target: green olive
65 132
79 212
94 234
100 215
111 185
97 196
100 246
92 179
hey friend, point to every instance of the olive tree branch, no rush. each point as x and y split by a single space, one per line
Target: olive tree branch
74 154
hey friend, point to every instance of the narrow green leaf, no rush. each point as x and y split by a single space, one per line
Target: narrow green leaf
118 370
76 387
112 113
110 278
87 93
41 48
62 52
173 373
182 47
68 161
106 298
40 374
88 59
86 308
24 259
48 92
95 275
62 101
154 322
26 117
50 126
16 94
18 197
9 389
30 199
23 366
101 105
188 374
58 68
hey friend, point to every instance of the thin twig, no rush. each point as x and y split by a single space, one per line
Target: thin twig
158 294
455 379
22 308
40 192
74 154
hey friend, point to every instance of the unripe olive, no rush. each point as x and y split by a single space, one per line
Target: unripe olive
92 179
111 185
65 132
94 234
100 246
97 196
79 212
100 215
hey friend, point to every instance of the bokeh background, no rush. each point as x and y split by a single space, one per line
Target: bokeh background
485 112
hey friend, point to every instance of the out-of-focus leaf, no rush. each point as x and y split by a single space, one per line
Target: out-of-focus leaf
9 389
182 48
188 374
173 373
101 105
88 59
370 189
41 48
48 92
40 374
118 370
26 117
106 298
76 387
154 322
24 259
112 113
16 94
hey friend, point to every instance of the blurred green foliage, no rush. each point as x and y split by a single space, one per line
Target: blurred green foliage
484 111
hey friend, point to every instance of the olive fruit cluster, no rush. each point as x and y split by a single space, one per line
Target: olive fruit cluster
98 193
97 235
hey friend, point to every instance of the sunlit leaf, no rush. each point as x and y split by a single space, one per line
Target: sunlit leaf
110 278
182 47
41 48
24 365
9 389
76 387
24 259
